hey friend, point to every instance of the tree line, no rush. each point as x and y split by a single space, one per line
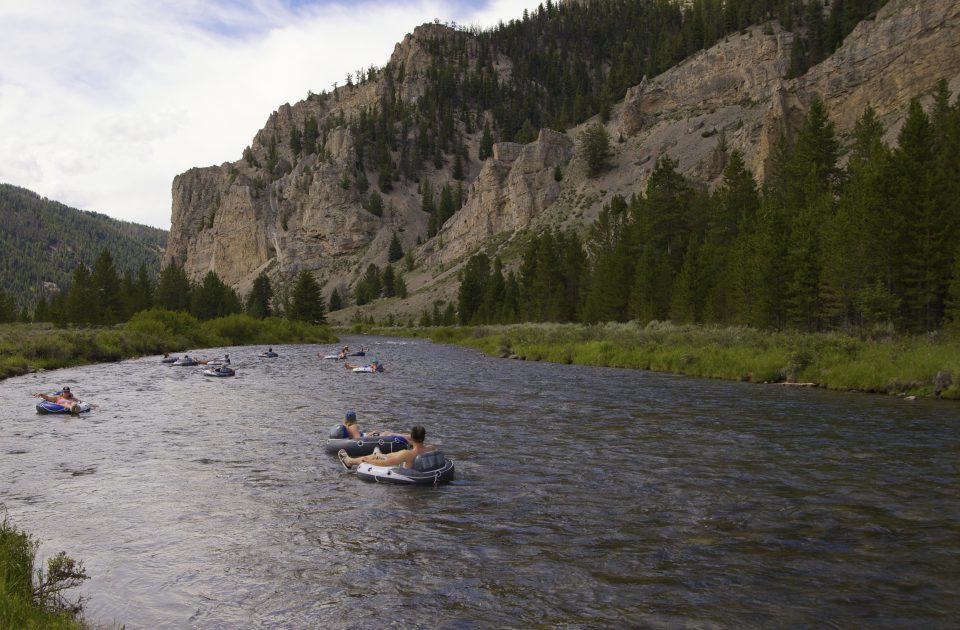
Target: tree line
100 296
42 240
867 247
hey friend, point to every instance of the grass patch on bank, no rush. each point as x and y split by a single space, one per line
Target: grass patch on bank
24 603
29 347
919 366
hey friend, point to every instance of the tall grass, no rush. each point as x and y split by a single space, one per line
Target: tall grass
17 606
27 347
921 366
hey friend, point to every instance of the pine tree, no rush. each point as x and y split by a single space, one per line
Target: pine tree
473 280
925 255
336 302
173 289
81 302
109 309
259 299
389 282
306 302
486 143
595 149
395 252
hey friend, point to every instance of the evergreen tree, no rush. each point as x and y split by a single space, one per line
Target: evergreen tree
924 254
259 299
389 282
473 280
595 148
336 302
81 302
213 298
375 204
109 309
486 143
395 251
306 303
370 286
173 289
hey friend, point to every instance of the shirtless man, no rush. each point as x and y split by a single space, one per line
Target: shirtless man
399 458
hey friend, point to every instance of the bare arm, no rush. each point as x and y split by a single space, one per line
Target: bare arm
398 458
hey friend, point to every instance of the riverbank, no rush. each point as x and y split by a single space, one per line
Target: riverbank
19 607
904 366
27 348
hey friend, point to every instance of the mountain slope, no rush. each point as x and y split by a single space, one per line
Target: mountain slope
41 241
303 196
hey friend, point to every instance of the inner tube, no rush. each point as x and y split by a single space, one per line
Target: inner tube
220 371
429 469
185 362
366 444
358 354
168 359
45 407
268 355
335 357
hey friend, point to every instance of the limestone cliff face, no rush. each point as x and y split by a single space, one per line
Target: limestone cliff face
281 212
735 90
513 187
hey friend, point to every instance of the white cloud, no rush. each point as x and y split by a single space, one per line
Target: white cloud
102 104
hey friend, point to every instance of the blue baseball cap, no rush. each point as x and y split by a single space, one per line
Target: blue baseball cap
350 415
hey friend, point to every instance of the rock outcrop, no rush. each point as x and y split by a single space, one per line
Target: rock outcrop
513 187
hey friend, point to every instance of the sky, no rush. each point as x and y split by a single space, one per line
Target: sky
103 102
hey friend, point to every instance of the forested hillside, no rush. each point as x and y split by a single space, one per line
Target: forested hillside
42 241
869 247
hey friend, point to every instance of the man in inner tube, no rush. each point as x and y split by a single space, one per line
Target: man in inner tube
398 458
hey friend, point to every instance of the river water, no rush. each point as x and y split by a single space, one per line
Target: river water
584 498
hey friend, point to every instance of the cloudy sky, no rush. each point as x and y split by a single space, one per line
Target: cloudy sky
103 102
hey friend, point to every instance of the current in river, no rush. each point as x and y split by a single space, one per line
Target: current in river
584 497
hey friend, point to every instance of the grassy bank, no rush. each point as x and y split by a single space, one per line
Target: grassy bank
919 366
29 347
28 604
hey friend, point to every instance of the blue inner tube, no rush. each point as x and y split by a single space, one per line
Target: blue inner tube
45 406
268 355
366 444
406 476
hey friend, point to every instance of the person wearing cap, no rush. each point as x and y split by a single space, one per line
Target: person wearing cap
353 429
64 398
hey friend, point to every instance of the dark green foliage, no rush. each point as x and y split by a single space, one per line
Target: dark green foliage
213 299
866 249
259 300
370 286
173 289
336 302
395 252
595 146
108 304
42 241
375 204
306 303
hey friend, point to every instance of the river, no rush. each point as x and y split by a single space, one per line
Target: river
584 497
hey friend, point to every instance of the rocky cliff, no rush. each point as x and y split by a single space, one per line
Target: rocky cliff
281 212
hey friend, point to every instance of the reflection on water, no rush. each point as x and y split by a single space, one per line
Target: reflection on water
585 497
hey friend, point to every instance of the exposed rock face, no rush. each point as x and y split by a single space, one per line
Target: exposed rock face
512 188
281 212
736 87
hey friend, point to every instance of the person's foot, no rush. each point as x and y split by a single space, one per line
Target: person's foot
343 457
